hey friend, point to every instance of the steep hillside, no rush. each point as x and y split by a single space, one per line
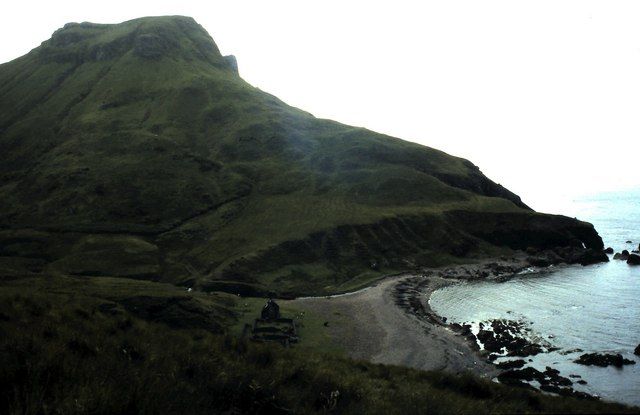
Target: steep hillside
136 150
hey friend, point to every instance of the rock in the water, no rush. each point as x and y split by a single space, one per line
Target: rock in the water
577 255
629 242
633 259
609 250
592 256
509 335
623 256
527 374
637 350
603 360
512 364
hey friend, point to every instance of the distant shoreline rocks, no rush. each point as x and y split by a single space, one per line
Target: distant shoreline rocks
567 255
633 259
603 360
623 256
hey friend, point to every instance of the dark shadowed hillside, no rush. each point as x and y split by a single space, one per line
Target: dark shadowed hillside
136 150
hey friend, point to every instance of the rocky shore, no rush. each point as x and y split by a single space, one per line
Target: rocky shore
392 322
509 343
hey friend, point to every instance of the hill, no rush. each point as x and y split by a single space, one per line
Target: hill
136 150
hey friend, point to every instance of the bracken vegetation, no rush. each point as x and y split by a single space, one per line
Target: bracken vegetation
72 351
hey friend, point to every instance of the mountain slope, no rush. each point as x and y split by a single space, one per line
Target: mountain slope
136 150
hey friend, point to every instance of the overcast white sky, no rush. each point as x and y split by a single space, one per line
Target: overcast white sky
544 96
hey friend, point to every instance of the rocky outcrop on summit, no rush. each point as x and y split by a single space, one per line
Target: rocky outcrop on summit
232 62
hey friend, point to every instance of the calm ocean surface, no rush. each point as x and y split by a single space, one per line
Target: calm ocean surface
594 308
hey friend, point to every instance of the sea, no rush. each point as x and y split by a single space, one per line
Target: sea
593 308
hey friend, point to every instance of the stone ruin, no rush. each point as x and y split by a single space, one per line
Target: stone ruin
272 327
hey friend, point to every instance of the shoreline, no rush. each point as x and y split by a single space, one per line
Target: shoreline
391 321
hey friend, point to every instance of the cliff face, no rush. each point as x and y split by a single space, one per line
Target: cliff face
136 150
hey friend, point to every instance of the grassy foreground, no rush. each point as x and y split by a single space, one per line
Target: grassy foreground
75 351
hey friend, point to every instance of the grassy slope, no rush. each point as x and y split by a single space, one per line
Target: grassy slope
73 346
133 152
143 130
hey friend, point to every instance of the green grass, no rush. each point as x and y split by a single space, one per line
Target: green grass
312 332
63 349
141 130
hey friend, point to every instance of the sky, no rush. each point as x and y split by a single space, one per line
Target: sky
544 96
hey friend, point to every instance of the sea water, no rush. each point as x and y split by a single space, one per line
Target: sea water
594 308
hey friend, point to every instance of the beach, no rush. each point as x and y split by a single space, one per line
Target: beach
392 323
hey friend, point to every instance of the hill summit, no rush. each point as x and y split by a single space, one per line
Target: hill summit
136 150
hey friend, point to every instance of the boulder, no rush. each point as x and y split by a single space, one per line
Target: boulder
637 350
531 250
544 259
538 261
603 360
582 256
609 250
592 256
512 364
633 259
623 256
527 374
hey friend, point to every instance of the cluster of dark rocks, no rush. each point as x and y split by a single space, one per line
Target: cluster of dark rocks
511 364
632 258
565 255
465 331
406 297
603 360
549 380
487 270
510 338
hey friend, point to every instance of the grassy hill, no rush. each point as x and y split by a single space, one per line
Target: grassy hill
136 150
135 163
